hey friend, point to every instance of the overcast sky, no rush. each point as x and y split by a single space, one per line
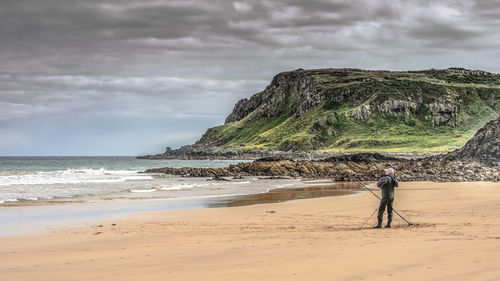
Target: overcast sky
129 77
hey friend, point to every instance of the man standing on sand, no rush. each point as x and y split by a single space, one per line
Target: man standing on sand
387 183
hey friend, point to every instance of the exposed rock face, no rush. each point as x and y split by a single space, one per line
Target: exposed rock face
398 107
483 147
444 113
289 93
362 113
243 108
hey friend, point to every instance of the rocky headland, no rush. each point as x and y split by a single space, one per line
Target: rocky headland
322 113
478 160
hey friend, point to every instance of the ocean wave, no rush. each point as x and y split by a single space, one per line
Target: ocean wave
285 185
69 176
143 190
177 187
23 199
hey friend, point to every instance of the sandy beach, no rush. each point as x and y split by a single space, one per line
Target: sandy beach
455 237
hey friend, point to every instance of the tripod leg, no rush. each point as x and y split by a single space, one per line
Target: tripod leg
409 223
369 218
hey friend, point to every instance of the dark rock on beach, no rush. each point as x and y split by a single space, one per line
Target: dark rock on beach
362 158
407 170
483 147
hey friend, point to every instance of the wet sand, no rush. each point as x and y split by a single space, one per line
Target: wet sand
325 189
455 237
32 218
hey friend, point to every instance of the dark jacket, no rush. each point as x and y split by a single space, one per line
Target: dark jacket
388 183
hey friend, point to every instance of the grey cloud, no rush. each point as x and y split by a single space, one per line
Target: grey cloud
87 32
443 32
25 97
163 60
488 10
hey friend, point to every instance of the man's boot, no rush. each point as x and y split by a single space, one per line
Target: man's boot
389 215
379 218
389 220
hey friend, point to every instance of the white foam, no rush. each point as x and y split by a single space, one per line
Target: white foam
285 185
8 200
88 184
142 190
177 187
70 176
241 182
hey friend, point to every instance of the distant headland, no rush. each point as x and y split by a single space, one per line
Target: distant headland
321 113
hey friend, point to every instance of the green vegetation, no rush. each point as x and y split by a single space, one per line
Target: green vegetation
463 102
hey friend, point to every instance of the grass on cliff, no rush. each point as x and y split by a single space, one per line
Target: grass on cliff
379 133
477 100
383 134
392 134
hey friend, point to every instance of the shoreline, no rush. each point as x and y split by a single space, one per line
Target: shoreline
51 215
306 182
454 237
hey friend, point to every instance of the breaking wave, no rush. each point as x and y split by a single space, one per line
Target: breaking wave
69 176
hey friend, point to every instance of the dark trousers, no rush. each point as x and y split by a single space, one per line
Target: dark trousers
383 203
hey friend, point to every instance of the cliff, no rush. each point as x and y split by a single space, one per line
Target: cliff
353 110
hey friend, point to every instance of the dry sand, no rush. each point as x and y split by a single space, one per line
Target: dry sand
456 236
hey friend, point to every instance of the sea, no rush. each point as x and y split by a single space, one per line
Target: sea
37 180
40 194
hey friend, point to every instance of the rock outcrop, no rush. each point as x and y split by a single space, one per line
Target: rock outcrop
483 147
303 111
289 93
398 107
444 113
244 107
346 170
362 113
